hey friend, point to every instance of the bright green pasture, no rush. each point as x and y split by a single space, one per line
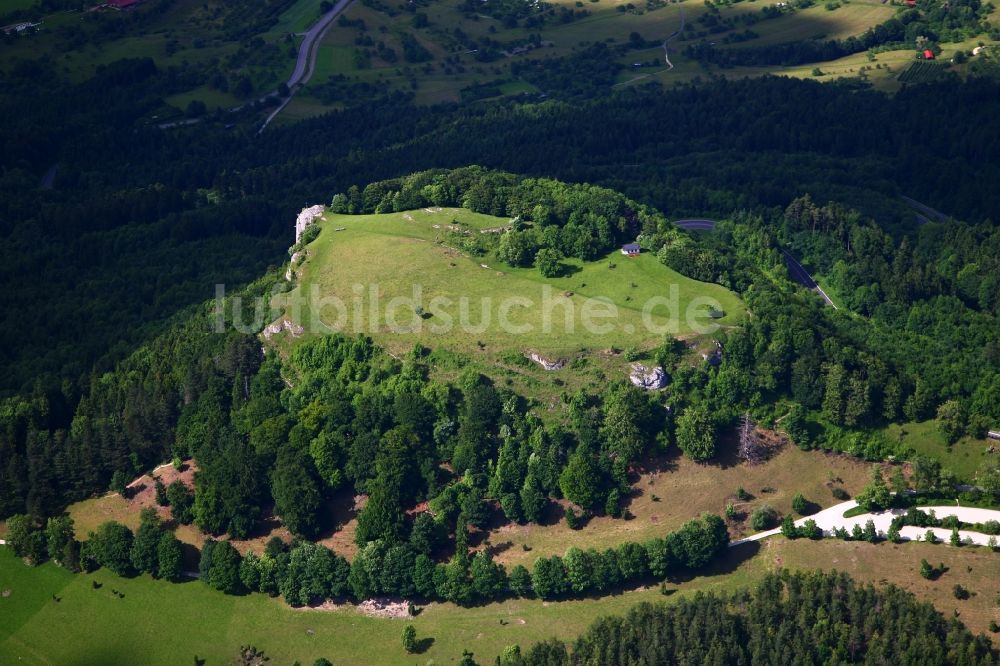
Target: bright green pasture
403 255
160 623
165 623
963 458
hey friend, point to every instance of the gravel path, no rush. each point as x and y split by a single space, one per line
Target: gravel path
833 517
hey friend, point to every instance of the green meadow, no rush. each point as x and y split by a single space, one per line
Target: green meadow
377 270
168 623
160 623
963 457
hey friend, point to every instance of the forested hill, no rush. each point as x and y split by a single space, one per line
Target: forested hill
142 222
834 378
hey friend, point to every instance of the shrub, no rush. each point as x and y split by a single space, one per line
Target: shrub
811 530
788 529
764 517
612 506
161 493
926 570
840 494
799 504
893 534
410 639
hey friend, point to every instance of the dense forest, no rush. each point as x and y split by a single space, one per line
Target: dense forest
786 618
140 224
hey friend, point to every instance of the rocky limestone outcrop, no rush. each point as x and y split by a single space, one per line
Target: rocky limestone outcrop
648 378
546 363
306 217
276 327
293 264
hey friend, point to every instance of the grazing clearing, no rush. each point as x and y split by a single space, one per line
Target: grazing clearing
677 489
376 274
963 457
667 492
169 623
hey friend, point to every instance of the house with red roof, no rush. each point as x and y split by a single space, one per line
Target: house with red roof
928 54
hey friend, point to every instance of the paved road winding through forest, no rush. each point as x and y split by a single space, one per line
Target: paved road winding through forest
923 212
802 276
798 273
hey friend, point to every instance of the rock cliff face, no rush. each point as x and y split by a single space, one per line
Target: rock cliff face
292 265
546 363
305 218
648 378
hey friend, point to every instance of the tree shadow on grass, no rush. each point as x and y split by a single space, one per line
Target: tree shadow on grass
727 452
810 509
666 462
566 270
337 512
423 645
723 565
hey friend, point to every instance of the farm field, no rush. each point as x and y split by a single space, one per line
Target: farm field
168 622
606 22
189 33
185 33
403 256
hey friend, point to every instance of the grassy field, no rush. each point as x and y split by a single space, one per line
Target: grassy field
188 31
172 623
676 489
405 255
669 491
963 457
606 22
817 22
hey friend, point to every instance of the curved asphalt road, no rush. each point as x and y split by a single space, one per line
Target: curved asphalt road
696 224
923 212
305 61
802 277
795 269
